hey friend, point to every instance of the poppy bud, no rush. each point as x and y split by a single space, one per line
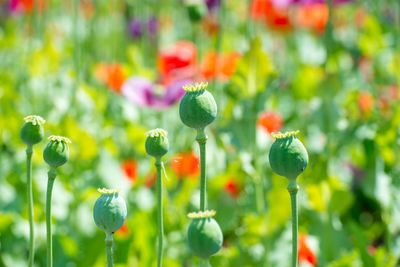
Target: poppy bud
56 152
197 108
32 131
109 211
197 9
288 157
157 144
204 234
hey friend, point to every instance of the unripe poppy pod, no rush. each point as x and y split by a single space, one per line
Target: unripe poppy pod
157 144
197 9
197 108
288 156
204 234
56 152
109 211
32 131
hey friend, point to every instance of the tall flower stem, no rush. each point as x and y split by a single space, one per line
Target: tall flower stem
158 165
205 263
29 152
52 174
293 188
109 242
201 138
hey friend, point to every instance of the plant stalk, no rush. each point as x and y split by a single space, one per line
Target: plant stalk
158 165
109 242
202 139
205 263
293 188
52 174
29 152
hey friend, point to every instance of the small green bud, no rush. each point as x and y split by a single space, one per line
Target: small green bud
204 234
157 144
197 108
288 156
197 9
56 152
109 211
32 131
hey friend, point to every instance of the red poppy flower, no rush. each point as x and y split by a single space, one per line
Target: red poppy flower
186 164
130 169
231 187
365 102
314 16
270 121
276 18
113 75
178 61
221 67
26 6
305 252
124 231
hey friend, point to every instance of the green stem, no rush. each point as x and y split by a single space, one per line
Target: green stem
159 212
52 174
259 194
29 152
109 242
202 139
205 263
293 188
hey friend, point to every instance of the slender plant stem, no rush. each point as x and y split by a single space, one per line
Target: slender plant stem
29 152
109 242
259 194
202 139
52 174
293 188
159 212
205 263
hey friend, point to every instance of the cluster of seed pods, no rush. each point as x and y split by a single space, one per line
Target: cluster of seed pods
288 157
55 154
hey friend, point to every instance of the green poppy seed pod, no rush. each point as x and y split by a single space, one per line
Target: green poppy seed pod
56 152
197 108
157 144
288 156
32 131
109 211
204 234
197 9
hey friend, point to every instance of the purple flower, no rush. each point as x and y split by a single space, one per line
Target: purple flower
135 28
152 25
144 93
212 4
283 4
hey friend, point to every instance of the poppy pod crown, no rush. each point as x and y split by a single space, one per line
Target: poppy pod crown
109 211
32 131
204 234
56 152
157 144
288 156
197 108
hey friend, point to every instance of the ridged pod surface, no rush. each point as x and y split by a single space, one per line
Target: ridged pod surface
56 152
288 156
109 211
204 237
157 144
32 131
197 108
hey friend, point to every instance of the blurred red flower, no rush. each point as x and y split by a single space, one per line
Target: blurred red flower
314 16
365 102
124 231
178 61
270 121
130 169
221 67
305 252
26 6
186 164
276 18
113 75
150 179
231 187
